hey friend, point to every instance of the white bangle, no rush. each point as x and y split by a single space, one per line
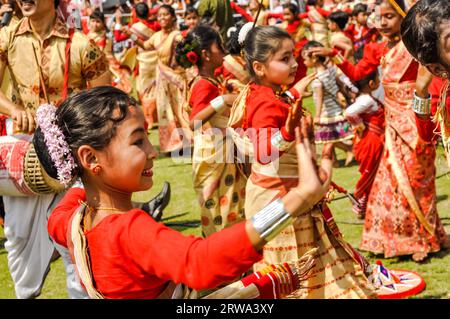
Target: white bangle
118 26
421 106
271 220
277 140
133 37
218 104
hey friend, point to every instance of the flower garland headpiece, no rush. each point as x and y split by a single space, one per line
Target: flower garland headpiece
57 146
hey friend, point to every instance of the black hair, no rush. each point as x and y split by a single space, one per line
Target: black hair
293 8
340 18
86 118
207 18
190 9
358 8
420 29
98 15
168 8
312 2
198 39
56 3
364 82
142 10
232 44
261 43
314 44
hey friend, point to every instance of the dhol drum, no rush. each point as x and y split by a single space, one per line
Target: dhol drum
21 174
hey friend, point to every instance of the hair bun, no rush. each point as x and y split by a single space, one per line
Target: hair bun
244 31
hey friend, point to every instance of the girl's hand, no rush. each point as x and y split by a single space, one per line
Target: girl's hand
317 120
320 51
294 117
313 181
424 78
302 85
5 8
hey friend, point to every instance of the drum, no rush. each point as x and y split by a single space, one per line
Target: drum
395 283
20 171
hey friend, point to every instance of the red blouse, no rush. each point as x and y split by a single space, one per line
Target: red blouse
426 128
203 93
132 256
264 110
373 54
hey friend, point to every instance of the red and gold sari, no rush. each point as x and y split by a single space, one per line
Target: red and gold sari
401 217
169 92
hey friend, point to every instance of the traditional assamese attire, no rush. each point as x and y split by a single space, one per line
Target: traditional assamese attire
338 40
368 144
120 269
401 216
319 25
29 247
218 179
122 77
168 93
146 74
339 269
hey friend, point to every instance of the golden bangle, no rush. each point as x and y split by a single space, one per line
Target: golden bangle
338 59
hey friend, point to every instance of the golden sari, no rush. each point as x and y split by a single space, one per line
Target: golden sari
401 216
319 27
218 181
145 79
168 92
339 271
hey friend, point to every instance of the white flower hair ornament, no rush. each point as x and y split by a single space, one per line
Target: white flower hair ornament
231 30
244 31
57 147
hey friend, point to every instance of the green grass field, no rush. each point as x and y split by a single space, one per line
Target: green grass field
182 214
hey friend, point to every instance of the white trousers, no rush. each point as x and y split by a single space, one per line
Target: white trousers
30 248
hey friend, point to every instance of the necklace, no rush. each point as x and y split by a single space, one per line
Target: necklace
106 208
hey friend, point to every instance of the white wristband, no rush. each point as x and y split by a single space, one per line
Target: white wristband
118 26
218 104
133 37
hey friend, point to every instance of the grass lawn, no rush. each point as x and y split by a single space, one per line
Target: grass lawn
182 214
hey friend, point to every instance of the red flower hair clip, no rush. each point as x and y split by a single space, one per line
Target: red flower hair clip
192 57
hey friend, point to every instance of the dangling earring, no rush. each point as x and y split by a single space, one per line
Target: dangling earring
444 75
96 170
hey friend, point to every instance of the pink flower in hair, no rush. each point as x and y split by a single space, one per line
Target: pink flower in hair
57 146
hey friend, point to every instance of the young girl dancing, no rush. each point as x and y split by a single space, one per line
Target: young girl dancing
218 182
169 83
268 115
366 115
331 127
100 136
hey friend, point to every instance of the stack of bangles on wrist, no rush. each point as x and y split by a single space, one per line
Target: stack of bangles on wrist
218 104
336 57
421 106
